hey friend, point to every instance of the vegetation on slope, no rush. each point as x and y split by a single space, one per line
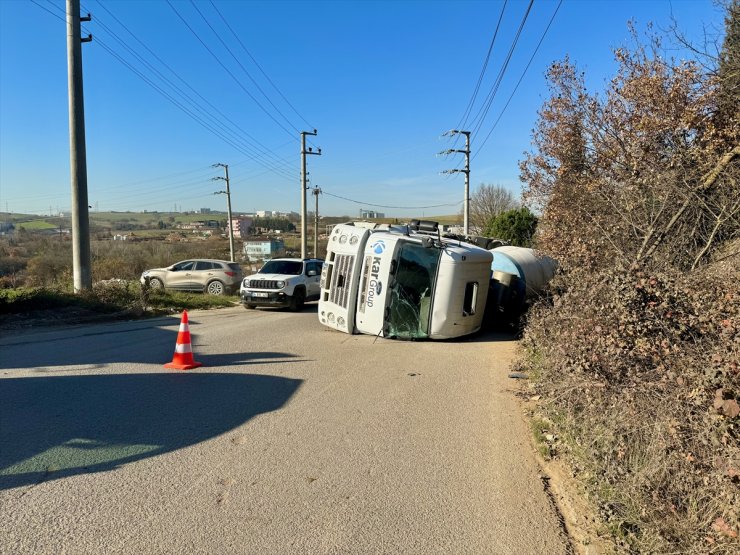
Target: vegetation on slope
636 357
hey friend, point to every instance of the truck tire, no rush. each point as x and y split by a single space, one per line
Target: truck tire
297 300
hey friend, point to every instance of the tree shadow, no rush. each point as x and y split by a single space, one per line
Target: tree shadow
59 426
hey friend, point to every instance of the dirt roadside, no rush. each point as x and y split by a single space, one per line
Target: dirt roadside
579 517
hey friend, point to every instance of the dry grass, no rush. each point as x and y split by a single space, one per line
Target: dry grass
639 380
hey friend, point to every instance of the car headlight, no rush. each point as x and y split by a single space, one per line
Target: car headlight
281 284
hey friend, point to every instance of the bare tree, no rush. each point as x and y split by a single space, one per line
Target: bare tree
487 202
648 171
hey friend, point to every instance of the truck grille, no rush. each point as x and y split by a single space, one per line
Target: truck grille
341 279
263 284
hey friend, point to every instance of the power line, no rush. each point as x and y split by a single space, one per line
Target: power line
542 38
464 120
241 65
198 119
486 106
483 112
47 10
323 191
244 138
259 148
258 65
226 69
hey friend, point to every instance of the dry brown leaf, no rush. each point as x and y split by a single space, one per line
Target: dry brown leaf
721 526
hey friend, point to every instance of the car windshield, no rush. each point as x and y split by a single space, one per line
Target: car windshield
411 292
290 267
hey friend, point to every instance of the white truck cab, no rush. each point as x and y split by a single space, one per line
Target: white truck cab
404 282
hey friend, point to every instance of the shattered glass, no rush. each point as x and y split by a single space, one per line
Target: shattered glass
410 302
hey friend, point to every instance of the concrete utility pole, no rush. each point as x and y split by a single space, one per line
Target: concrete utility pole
304 152
316 192
81 265
466 171
227 192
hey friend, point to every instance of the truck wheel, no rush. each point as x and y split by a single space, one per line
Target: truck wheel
296 301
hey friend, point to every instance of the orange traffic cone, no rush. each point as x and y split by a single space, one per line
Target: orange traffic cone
183 359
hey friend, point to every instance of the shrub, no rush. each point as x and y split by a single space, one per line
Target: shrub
516 227
640 372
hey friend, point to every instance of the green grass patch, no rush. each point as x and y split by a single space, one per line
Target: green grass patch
37 225
189 301
107 299
539 429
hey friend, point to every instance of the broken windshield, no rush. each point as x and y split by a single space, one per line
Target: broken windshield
410 301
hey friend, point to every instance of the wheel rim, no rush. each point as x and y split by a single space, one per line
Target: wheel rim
216 288
154 283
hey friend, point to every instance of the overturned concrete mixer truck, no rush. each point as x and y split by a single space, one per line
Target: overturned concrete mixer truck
412 281
403 282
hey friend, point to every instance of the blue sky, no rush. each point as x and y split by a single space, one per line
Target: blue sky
379 80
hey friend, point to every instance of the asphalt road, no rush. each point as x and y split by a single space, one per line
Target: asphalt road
291 438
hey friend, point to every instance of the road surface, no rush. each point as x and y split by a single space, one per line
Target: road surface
292 438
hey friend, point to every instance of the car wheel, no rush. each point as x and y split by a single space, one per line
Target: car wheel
250 306
215 288
155 283
296 301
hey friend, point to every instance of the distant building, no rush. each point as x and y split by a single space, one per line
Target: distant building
276 214
261 250
193 225
204 211
241 226
370 214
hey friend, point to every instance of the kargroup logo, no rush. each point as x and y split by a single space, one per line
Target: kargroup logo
378 247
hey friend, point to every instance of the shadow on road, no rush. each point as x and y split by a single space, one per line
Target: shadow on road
143 344
59 426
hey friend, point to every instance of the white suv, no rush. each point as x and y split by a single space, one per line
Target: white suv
283 282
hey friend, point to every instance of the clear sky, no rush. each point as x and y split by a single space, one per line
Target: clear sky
379 80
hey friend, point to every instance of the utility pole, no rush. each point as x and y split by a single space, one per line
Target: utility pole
304 152
316 192
227 192
466 171
81 265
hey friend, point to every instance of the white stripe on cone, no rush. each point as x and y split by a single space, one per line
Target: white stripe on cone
183 348
184 327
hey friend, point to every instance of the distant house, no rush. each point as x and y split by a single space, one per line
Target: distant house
241 225
370 214
125 237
